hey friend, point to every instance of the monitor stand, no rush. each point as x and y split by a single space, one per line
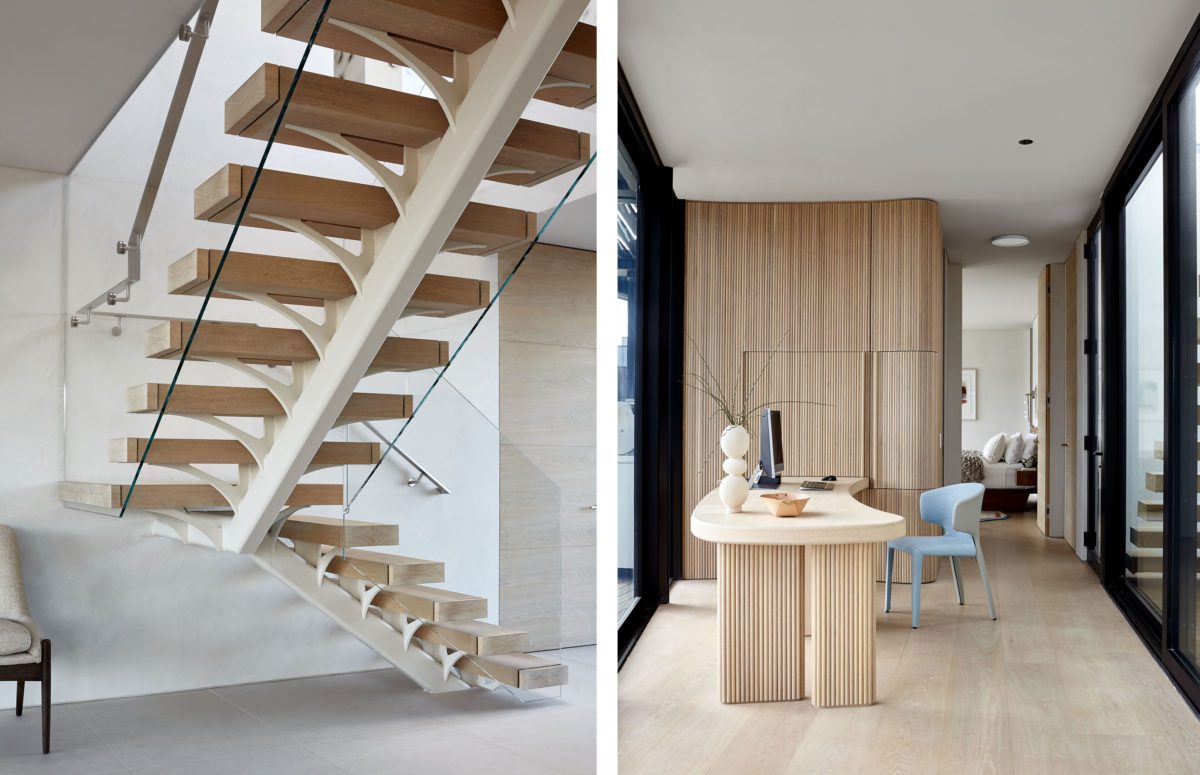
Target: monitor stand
763 482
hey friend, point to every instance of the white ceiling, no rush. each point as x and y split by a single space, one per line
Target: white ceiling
66 66
872 99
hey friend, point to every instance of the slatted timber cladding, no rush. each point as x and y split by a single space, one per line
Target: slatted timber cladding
906 503
908 421
815 438
851 294
907 276
843 624
760 608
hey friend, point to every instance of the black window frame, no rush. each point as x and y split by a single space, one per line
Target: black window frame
658 383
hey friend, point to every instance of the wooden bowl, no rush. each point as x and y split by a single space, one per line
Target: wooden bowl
783 504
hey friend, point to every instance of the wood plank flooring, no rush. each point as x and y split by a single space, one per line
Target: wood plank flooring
1059 684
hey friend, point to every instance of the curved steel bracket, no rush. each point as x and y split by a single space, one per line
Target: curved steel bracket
554 82
286 395
257 447
318 334
355 265
499 170
367 595
232 493
449 94
399 186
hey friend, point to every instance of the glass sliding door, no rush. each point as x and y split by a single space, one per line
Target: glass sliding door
1183 568
1145 387
628 264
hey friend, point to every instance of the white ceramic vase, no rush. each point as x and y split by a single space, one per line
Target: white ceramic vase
734 488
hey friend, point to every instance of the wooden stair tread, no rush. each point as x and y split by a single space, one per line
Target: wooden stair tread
387 569
522 671
311 283
333 531
260 344
430 603
181 451
254 402
168 496
383 122
338 208
433 31
474 637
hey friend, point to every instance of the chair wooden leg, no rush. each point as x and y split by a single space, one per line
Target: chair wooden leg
45 696
20 697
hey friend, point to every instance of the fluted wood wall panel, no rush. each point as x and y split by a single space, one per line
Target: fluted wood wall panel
821 276
908 421
843 624
907 275
760 612
816 439
906 503
836 282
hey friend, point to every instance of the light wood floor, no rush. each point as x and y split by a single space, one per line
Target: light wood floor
1059 684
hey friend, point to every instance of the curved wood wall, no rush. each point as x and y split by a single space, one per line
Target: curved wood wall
851 293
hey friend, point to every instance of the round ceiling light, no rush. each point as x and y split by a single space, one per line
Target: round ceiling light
1010 240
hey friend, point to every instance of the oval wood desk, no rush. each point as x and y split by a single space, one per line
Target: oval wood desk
760 580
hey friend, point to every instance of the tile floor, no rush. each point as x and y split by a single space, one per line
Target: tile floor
373 722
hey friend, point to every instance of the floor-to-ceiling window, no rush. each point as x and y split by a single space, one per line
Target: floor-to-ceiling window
1145 384
1146 305
628 260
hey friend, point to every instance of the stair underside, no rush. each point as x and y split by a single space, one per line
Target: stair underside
383 122
182 451
282 346
338 532
338 208
254 402
311 283
178 496
433 31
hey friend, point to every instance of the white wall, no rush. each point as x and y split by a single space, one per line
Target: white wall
129 613
1001 358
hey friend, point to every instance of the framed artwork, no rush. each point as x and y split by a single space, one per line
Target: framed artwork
968 394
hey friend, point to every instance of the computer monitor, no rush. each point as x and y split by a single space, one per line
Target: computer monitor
770 440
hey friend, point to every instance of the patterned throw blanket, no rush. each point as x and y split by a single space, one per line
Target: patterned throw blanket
972 466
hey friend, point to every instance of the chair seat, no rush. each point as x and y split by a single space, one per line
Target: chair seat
949 545
15 638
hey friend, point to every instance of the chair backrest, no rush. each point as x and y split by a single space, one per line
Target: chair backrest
12 588
956 507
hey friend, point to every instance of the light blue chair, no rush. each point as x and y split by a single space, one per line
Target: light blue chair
956 509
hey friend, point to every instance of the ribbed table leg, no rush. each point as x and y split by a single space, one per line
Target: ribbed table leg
760 613
843 578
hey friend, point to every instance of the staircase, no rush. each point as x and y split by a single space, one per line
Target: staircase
483 60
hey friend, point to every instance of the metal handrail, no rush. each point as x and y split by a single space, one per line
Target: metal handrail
421 472
131 248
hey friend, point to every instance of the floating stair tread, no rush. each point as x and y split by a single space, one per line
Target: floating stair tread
311 283
338 208
433 31
1154 481
430 603
387 569
383 122
254 402
259 344
170 496
1150 508
522 671
182 451
334 531
1160 450
473 637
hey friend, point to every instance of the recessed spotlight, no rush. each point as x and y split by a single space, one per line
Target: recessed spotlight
1010 240
1026 141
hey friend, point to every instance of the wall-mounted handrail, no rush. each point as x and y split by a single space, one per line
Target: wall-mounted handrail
131 248
421 472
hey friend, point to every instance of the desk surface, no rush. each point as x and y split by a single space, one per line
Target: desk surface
831 517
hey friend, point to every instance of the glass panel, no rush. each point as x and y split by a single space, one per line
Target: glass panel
628 258
1145 385
1187 574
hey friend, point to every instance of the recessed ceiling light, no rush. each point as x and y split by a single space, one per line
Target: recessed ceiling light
1010 240
1026 141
